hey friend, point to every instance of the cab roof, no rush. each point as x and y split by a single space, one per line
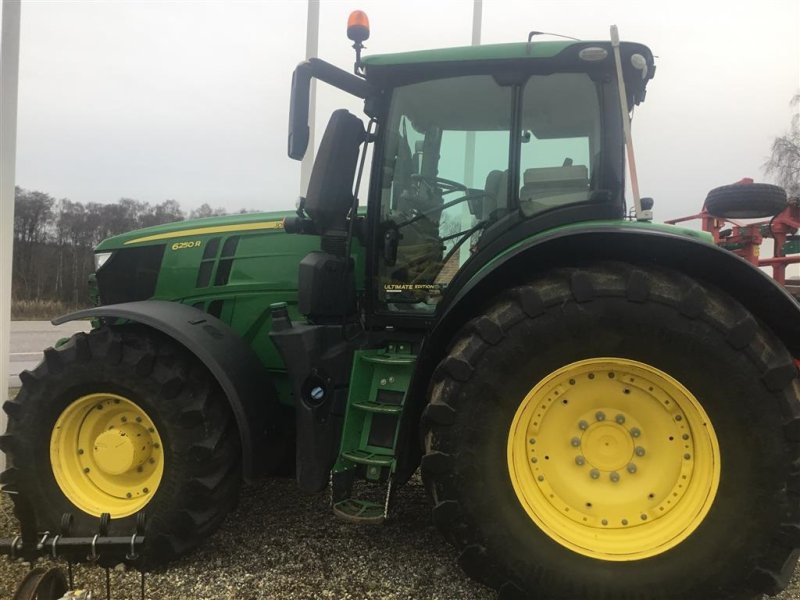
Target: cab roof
512 50
388 70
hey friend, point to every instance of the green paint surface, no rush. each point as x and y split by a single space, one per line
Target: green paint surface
644 226
465 53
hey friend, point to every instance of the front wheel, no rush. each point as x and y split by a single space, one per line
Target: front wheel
119 421
615 432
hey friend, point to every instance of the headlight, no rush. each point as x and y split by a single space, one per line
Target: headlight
100 259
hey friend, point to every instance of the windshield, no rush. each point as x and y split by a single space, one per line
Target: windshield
445 179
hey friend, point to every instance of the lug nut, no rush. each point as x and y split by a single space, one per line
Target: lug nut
620 419
540 478
580 461
687 456
604 521
600 415
583 425
639 451
631 468
643 517
145 490
534 460
614 476
575 441
635 432
685 436
85 469
532 440
624 521
80 450
128 495
678 418
138 419
594 474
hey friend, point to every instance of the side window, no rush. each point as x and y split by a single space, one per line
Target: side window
444 180
561 141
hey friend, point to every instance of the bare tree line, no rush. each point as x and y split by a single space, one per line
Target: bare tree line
53 240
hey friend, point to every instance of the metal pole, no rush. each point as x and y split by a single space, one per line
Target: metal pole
469 155
9 76
312 49
641 215
469 158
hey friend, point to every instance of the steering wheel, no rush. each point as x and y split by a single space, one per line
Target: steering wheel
447 186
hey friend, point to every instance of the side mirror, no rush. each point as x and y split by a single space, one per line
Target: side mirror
298 111
330 187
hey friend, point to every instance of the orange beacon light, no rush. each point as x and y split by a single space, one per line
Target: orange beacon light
358 26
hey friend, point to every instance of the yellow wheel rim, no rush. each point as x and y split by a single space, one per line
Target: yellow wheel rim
106 455
613 459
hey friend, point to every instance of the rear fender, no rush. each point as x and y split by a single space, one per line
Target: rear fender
244 380
767 300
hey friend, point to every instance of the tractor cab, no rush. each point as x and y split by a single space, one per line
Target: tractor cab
471 145
474 150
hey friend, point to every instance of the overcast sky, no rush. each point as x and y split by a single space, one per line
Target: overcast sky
189 100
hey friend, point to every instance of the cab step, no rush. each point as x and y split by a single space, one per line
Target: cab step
369 445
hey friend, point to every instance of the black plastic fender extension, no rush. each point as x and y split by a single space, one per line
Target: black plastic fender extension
245 381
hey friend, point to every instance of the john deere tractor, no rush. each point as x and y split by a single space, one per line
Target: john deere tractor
601 406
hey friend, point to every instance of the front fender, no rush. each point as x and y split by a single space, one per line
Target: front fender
245 381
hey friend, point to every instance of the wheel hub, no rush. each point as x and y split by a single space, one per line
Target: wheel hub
613 459
106 455
115 451
607 446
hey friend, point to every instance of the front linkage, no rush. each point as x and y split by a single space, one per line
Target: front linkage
44 583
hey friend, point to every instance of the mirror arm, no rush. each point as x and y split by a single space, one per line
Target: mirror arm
301 92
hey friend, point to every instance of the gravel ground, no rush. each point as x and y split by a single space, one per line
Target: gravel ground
280 543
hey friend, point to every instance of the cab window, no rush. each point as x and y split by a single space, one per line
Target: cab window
445 178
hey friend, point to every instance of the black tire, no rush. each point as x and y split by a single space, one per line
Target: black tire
202 465
749 201
743 376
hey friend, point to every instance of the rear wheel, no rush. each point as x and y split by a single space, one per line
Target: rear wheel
124 420
612 432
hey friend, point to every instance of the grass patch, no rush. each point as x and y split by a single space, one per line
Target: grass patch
40 310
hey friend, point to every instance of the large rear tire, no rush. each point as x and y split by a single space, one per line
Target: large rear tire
124 420
617 432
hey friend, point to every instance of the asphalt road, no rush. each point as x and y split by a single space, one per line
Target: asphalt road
30 338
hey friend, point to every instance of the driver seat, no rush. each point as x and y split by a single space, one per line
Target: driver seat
496 188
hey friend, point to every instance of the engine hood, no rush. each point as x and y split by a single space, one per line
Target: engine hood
180 230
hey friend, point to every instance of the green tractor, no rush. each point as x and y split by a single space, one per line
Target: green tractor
601 406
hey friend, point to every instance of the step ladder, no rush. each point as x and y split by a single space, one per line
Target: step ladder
369 443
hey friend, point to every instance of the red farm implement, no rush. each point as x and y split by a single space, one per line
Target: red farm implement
778 220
